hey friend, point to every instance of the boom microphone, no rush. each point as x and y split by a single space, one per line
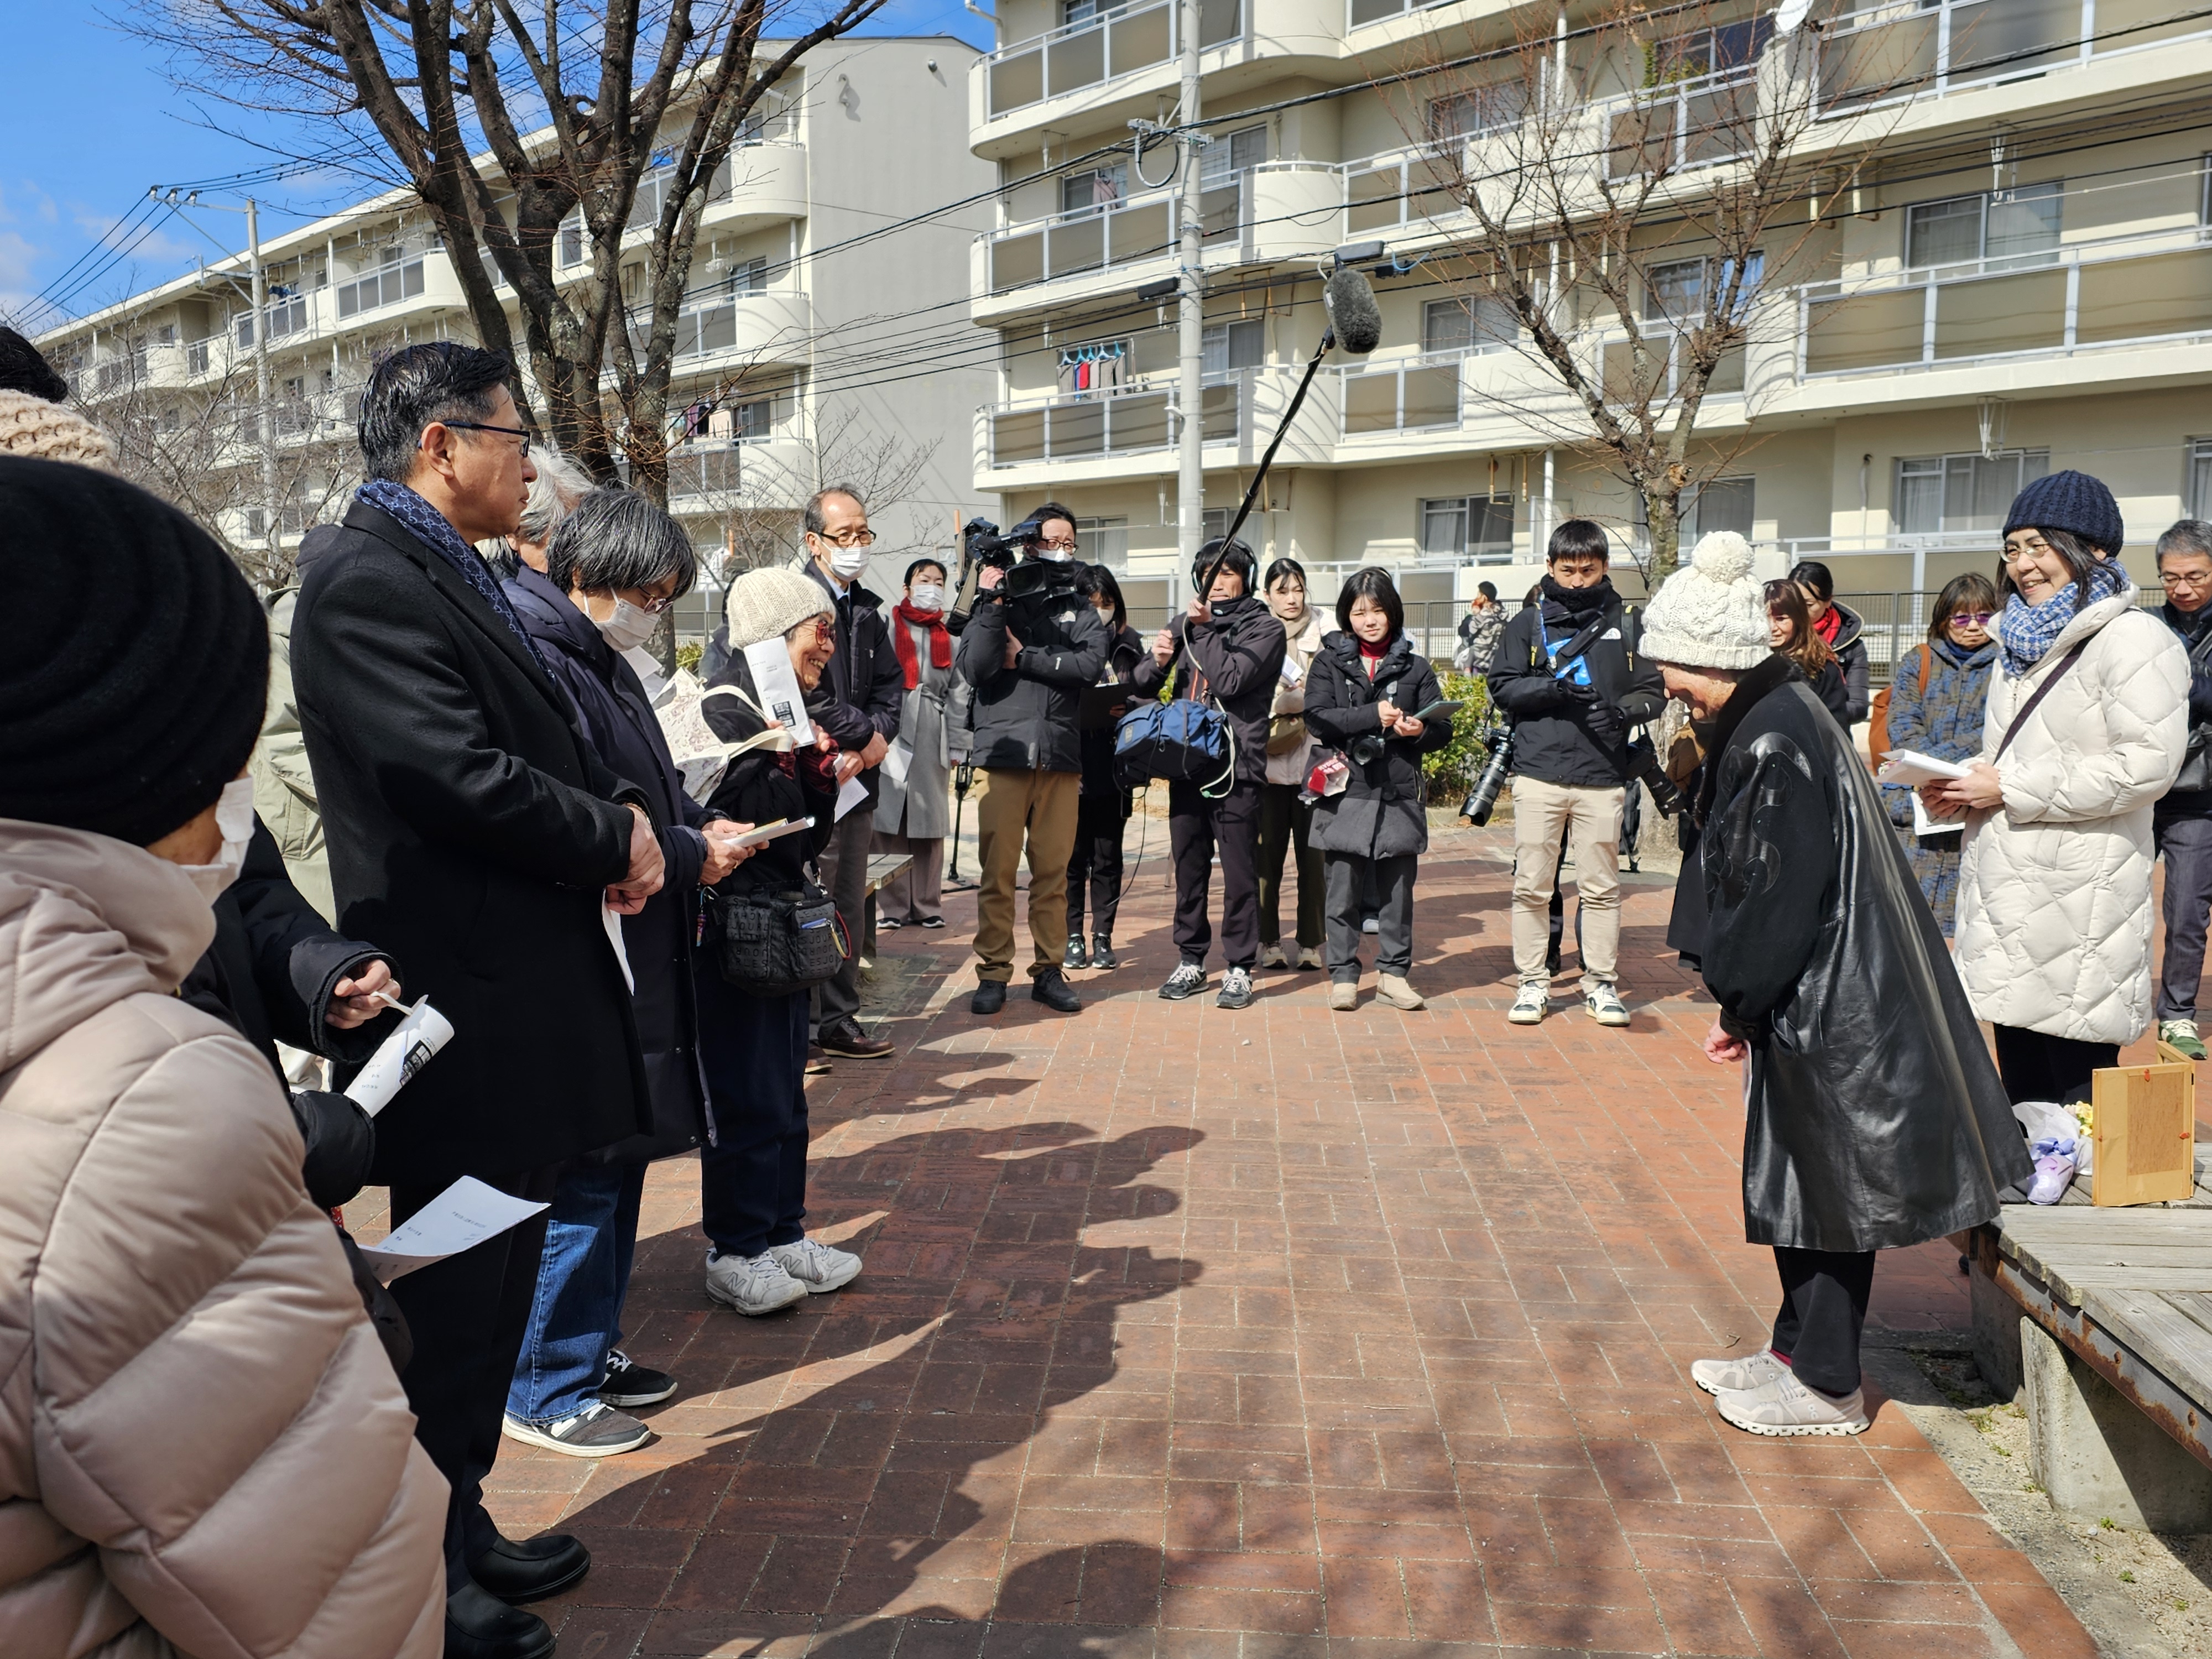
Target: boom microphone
1353 315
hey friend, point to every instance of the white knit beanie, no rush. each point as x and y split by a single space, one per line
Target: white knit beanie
1712 614
766 605
47 432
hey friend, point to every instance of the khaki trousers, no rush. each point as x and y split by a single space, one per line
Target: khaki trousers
1590 818
1040 807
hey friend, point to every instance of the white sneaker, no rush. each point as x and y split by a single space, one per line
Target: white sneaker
1603 1004
1186 982
1533 1003
1271 956
752 1285
597 1431
1785 1406
817 1267
1735 1376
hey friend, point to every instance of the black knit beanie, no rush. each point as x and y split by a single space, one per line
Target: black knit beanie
137 668
2074 502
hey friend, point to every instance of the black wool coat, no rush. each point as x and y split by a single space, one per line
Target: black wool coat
1237 659
1873 1117
864 688
1381 812
472 830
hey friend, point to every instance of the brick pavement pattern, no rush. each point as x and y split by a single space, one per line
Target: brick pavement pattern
1276 1335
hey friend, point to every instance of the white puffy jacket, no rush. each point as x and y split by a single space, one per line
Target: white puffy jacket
2054 929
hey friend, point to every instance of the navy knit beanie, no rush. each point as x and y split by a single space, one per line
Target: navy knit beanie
137 670
2074 502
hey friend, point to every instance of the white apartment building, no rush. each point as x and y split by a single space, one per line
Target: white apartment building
2032 291
802 342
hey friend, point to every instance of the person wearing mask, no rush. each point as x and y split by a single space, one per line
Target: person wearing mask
2181 824
1286 822
2087 723
613 565
913 797
1227 648
859 706
1101 815
1790 626
207 1449
1842 630
1029 678
752 1175
1570 677
473 832
1479 631
1366 700
1937 702
1872 1118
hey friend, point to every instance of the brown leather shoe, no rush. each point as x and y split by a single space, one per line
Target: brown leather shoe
848 1040
817 1063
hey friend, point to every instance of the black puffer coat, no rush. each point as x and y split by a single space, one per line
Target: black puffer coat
1239 655
1874 1118
1381 813
1024 718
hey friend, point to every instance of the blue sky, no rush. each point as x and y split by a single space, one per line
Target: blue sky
91 120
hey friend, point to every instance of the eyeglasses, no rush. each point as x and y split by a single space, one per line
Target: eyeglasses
846 537
479 426
1061 545
2184 579
1969 619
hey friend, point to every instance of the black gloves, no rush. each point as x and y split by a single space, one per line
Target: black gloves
1599 718
341 1142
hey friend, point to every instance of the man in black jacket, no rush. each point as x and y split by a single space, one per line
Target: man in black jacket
1028 671
1227 648
862 693
2182 823
1568 675
472 831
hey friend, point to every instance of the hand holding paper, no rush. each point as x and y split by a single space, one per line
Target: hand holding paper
405 1052
1905 766
462 1216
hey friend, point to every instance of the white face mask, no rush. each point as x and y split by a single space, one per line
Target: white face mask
925 596
631 627
1055 555
846 563
234 817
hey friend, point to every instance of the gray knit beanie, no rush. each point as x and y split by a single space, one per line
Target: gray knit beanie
1712 614
766 605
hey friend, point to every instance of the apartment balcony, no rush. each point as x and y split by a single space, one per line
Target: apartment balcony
712 478
715 334
767 185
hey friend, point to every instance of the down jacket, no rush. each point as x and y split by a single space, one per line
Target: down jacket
1381 811
2054 920
202 1448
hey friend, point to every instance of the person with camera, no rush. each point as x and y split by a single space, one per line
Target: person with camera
1570 677
1094 869
1030 658
1227 648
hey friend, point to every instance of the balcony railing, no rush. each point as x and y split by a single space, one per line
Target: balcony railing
1095 427
1383 193
1692 123
1419 394
1120 233
1875 50
1100 49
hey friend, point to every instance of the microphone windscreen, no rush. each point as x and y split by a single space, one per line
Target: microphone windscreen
1352 310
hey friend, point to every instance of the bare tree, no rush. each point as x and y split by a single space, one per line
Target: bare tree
575 110
1636 195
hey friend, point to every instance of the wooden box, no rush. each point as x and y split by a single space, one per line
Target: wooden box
2145 1131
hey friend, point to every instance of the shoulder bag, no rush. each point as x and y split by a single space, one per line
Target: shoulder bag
774 943
1183 740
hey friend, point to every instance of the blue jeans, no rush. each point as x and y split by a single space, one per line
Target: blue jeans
591 1235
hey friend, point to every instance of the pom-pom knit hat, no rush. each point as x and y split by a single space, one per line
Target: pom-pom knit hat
2074 502
1711 615
47 432
764 604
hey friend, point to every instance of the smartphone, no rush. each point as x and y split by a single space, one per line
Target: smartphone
1444 707
760 835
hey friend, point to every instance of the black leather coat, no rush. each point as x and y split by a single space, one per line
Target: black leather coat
1873 1117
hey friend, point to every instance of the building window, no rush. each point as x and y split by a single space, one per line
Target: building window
2016 226
2196 480
571 251
1077 12
746 277
1229 346
1482 322
1721 504
1095 365
1475 527
1675 291
1479 110
393 280
1232 153
1106 541
1214 521
1707 52
1094 188
1938 494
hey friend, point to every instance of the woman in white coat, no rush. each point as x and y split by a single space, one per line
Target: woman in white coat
2087 723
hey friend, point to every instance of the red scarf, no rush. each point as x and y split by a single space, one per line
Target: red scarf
1830 625
1371 655
940 640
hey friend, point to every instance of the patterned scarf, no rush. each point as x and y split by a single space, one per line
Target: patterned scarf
429 527
2028 632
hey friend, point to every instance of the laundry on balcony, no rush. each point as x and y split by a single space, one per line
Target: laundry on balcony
1098 367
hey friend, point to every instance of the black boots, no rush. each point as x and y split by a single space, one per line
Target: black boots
1051 988
990 997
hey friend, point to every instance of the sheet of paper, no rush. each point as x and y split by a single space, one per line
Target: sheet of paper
854 794
1907 766
897 759
460 1218
613 919
399 1056
1291 673
777 688
1924 825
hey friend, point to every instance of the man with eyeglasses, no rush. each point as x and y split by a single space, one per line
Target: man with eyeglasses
859 707
2182 823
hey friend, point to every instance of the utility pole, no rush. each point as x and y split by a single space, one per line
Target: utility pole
1190 466
266 419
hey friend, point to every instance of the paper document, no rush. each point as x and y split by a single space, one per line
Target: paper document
897 759
777 688
854 794
1292 675
1922 824
612 919
405 1052
1906 767
462 1216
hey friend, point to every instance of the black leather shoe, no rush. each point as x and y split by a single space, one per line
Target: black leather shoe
1053 990
479 1626
1101 954
990 997
533 1568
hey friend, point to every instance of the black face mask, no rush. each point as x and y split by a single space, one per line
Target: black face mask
1583 602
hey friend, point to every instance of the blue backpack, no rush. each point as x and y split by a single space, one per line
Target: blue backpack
1182 741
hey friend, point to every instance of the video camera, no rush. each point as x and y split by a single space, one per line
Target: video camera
1031 588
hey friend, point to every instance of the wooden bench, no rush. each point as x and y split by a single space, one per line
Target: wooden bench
884 868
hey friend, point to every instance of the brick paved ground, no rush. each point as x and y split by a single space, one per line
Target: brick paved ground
1275 1333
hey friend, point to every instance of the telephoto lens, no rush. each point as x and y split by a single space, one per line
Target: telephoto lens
1482 799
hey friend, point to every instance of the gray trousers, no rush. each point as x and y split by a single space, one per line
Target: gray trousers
1393 887
845 873
2184 842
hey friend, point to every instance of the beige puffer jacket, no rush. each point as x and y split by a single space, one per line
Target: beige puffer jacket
202 1448
2054 923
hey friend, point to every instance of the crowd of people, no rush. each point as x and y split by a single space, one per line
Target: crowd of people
237 833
